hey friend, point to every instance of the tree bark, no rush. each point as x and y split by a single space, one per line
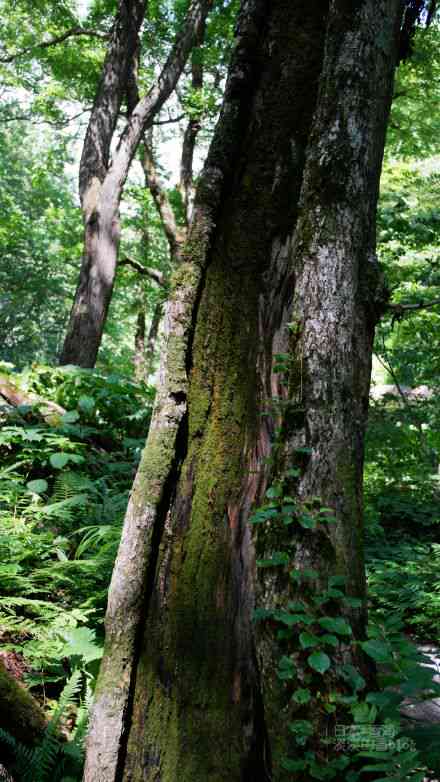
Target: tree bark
180 696
259 176
101 185
186 184
20 714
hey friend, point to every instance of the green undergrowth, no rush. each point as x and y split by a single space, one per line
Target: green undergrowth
63 492
342 719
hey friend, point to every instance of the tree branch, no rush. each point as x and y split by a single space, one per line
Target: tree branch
118 64
170 120
73 32
147 271
189 140
175 236
399 310
149 106
53 123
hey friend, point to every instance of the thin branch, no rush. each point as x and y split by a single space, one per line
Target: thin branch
399 310
153 274
73 32
149 106
170 120
53 123
175 236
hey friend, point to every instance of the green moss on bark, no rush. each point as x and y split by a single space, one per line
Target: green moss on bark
20 714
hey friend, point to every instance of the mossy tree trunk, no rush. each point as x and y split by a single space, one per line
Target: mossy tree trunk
180 696
20 714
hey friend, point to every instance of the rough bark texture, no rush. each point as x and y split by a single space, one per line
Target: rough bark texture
179 696
338 282
329 330
102 194
196 677
134 572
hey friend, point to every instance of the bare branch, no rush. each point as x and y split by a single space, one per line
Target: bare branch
147 109
53 123
399 310
153 274
170 120
73 32
175 236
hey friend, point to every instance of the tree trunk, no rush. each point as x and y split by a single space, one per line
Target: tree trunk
151 346
249 189
102 185
139 347
180 696
101 236
20 714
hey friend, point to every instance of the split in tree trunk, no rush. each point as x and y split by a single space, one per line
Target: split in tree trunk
187 690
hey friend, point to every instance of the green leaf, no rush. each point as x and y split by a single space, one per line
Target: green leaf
38 486
274 492
319 661
71 417
353 602
378 650
301 727
293 765
286 668
278 558
302 695
308 639
59 460
86 403
291 619
81 642
329 639
307 521
335 624
294 472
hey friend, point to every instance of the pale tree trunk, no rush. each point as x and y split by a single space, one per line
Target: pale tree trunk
139 346
186 184
153 332
179 696
102 184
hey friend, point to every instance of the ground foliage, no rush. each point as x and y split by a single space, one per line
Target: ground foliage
63 493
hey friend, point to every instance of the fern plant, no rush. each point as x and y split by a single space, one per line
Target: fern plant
53 760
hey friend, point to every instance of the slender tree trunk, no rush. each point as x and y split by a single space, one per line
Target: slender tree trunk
180 696
186 184
139 347
102 186
101 224
151 346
